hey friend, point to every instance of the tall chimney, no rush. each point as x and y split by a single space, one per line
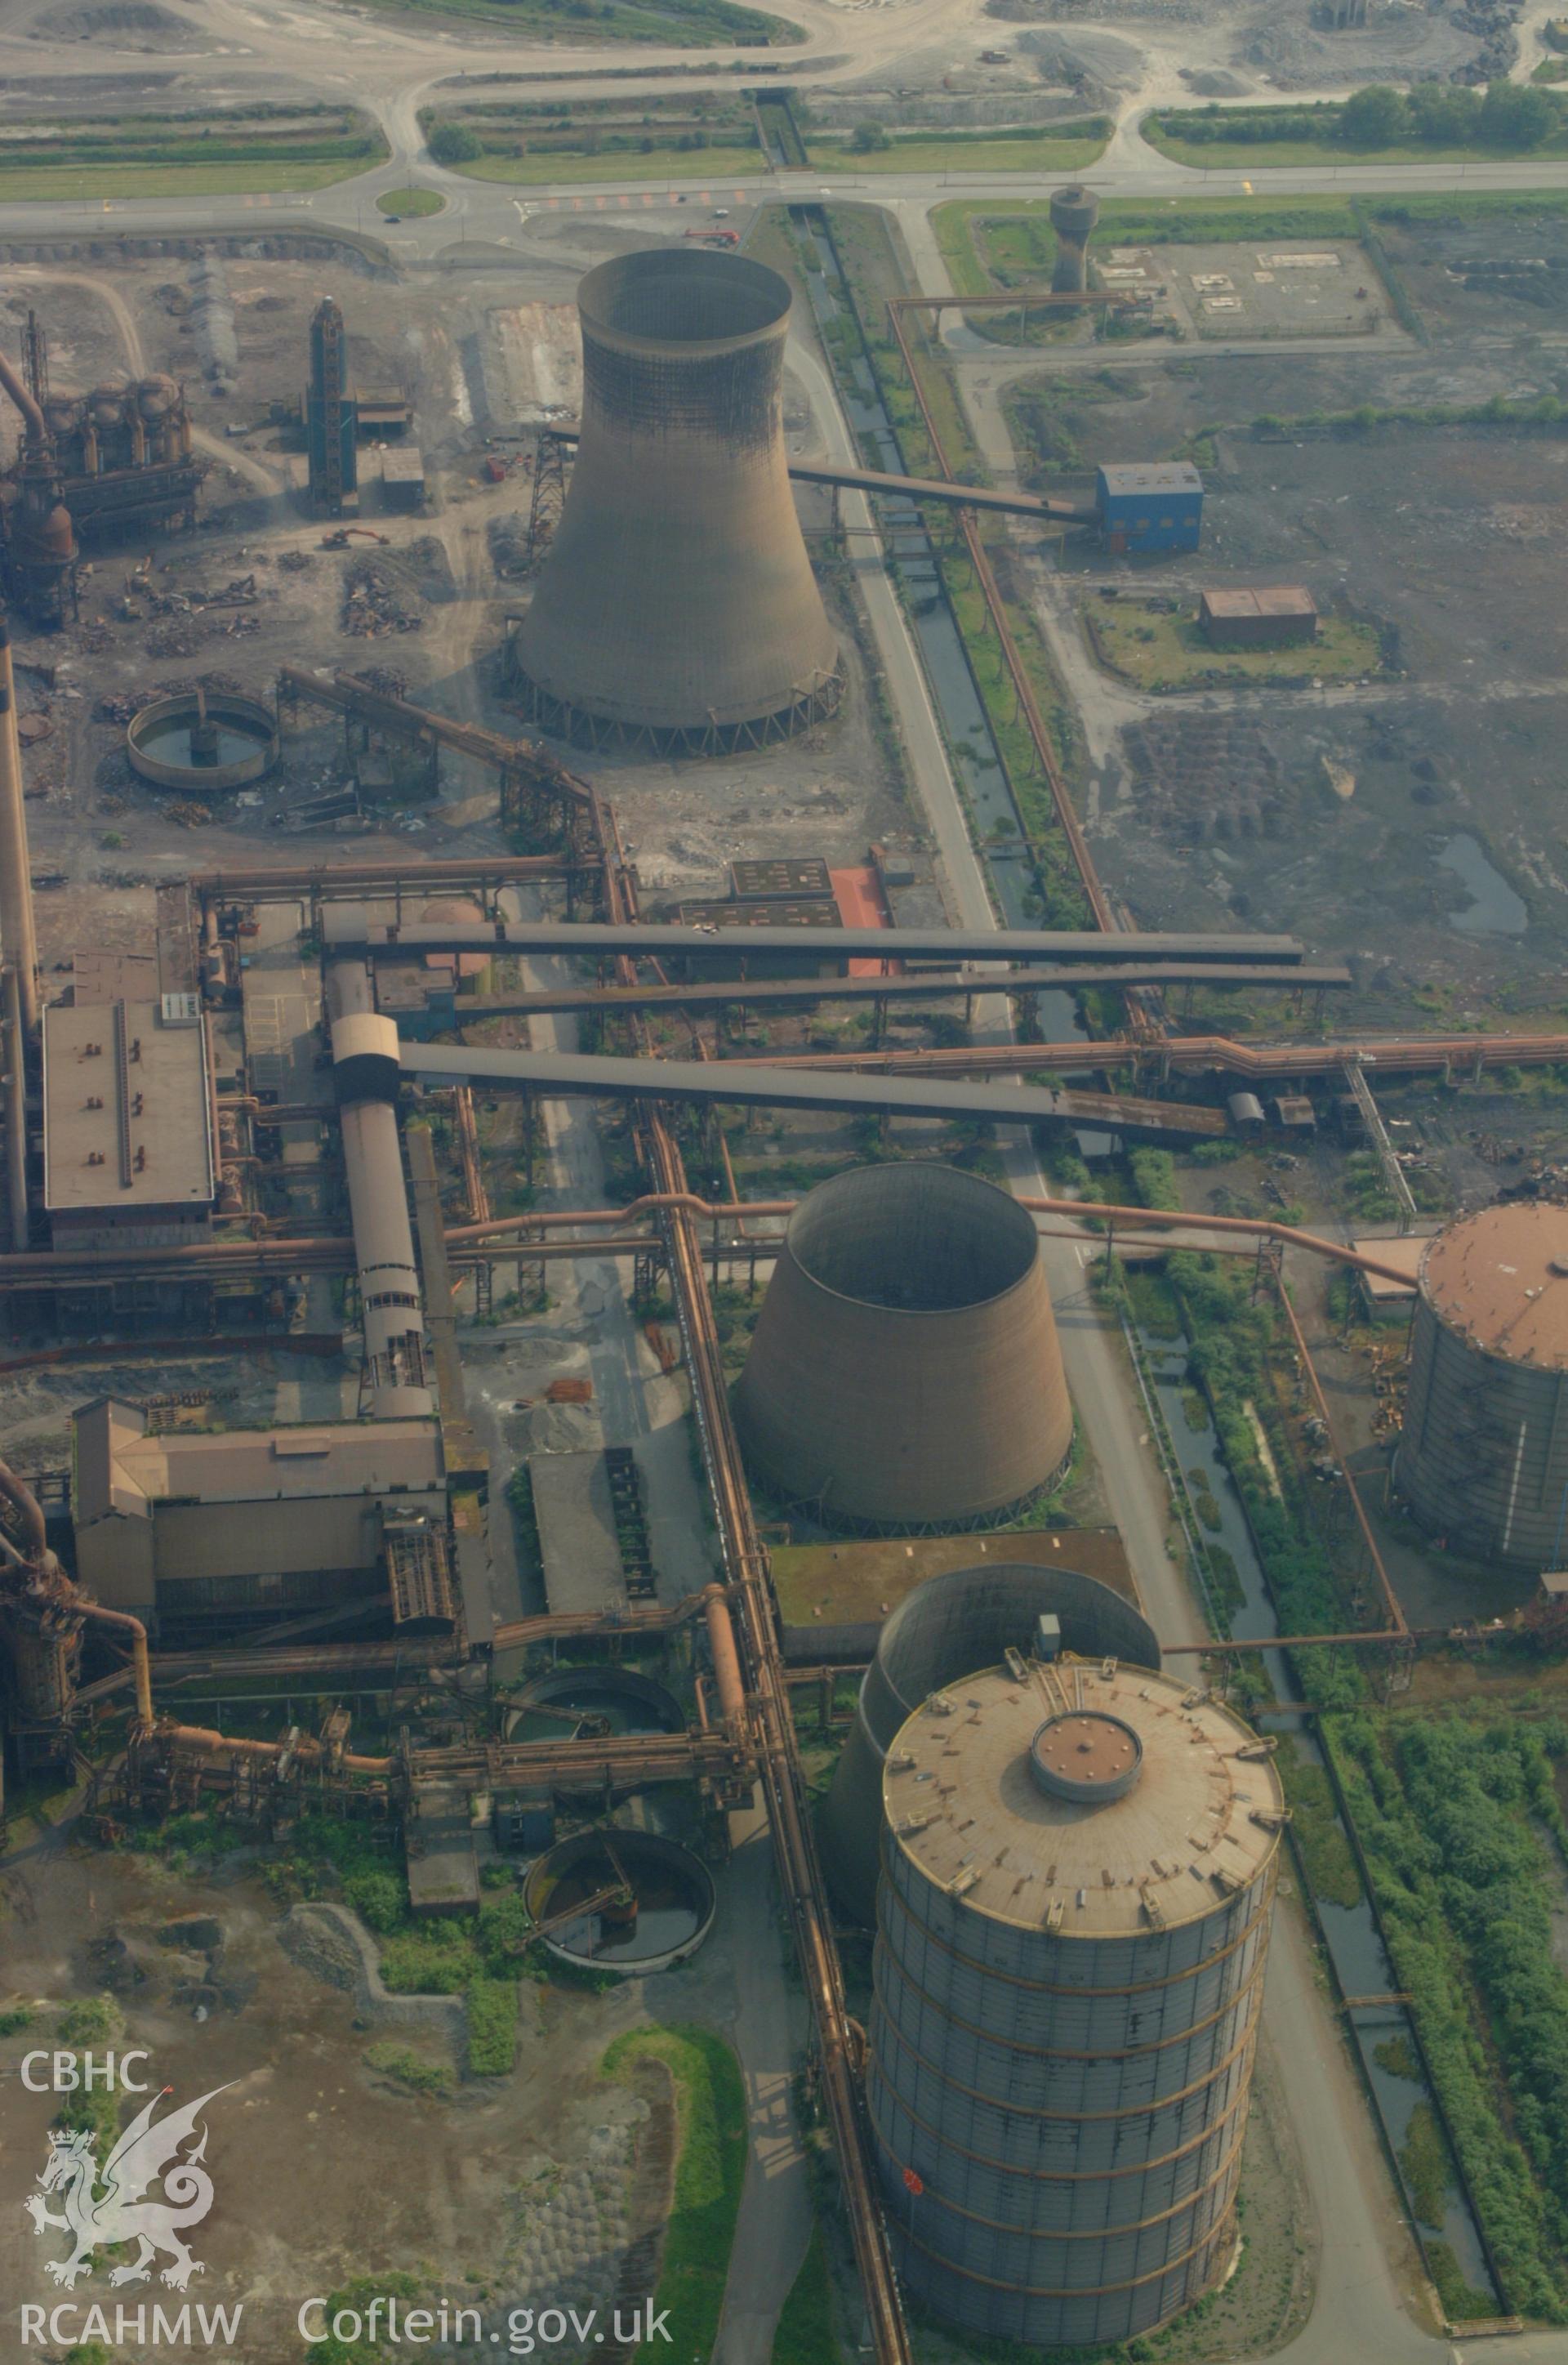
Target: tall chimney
678 607
18 938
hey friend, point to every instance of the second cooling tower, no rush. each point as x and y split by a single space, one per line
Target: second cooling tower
678 607
906 1371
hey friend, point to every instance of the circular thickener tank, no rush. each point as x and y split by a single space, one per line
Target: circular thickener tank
1079 1866
604 1700
632 1902
905 1372
966 1618
1483 1458
223 742
677 604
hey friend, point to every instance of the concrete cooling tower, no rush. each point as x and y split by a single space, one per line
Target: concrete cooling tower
905 1372
1079 1863
678 607
968 1618
1483 1458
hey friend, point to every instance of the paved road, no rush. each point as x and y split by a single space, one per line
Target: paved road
775 2220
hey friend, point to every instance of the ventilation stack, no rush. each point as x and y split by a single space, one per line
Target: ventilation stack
1483 1458
965 1619
678 607
904 1371
1074 213
1079 1863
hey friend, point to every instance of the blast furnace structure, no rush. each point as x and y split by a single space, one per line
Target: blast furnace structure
1483 1458
905 1371
1079 1863
678 607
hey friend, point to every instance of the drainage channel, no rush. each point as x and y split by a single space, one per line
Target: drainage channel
971 744
1382 2034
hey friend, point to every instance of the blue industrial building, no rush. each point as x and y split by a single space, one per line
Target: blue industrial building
1150 505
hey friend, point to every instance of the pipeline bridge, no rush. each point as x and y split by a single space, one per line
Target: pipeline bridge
347 934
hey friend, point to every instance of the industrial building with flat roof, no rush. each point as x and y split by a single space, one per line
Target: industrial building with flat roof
1281 616
211 1525
1149 505
128 1146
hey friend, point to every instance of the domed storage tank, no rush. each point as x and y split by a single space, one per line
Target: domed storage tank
107 403
1483 1458
64 411
156 396
905 1372
968 1618
1079 1866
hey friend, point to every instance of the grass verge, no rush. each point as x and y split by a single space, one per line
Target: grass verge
1156 651
682 24
711 2114
412 203
1216 155
21 183
805 2334
966 152
1457 1817
255 150
549 166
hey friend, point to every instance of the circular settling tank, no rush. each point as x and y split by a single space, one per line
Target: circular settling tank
602 1699
623 1901
202 743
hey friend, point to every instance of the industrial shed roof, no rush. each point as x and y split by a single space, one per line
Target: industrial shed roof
127 1113
1151 476
119 1466
1271 600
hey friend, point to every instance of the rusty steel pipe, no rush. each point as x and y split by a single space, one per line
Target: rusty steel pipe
727 1659
38 435
26 1504
214 1743
123 1622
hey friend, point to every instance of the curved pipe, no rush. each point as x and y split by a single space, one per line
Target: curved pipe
33 417
214 1743
142 1666
26 1504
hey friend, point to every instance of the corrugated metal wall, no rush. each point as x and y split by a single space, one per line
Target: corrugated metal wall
1073 2108
1482 1460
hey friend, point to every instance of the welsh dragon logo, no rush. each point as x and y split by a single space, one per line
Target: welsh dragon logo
144 2154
